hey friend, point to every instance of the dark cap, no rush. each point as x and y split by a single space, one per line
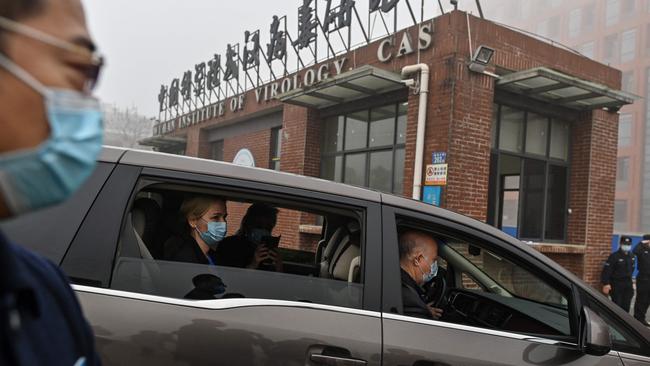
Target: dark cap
646 237
625 240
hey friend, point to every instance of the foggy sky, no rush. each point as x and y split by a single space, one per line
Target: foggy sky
149 42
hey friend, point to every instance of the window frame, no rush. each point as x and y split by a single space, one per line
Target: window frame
391 290
367 150
276 148
496 190
213 149
370 254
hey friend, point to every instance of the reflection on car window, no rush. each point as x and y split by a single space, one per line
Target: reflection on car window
181 243
512 278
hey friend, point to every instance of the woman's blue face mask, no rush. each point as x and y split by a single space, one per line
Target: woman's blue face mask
214 234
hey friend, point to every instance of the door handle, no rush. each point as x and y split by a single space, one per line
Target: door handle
336 361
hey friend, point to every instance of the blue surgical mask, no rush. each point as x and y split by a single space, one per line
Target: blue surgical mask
433 271
215 233
49 173
626 248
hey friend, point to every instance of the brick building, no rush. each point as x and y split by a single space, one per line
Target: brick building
530 142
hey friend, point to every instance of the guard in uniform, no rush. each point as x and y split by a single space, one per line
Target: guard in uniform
617 274
642 252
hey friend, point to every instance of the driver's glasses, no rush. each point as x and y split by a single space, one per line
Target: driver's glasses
88 62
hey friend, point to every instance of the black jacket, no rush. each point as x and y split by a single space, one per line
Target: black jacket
184 248
235 251
643 258
414 298
618 267
50 327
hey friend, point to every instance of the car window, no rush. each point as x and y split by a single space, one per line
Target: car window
509 279
486 288
50 231
318 249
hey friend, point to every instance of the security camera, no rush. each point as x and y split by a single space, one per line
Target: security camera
454 2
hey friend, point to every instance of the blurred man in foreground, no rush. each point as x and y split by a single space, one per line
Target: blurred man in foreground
50 136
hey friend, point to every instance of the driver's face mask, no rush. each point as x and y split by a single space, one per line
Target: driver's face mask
433 270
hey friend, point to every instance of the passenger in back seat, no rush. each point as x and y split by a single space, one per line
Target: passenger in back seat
253 246
203 229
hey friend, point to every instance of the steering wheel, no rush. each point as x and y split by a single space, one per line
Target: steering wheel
436 290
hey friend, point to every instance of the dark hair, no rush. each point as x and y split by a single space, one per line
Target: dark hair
18 9
259 210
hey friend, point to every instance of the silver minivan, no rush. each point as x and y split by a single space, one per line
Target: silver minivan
337 300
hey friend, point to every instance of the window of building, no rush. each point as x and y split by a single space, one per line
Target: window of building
276 148
612 11
610 49
366 148
625 130
529 175
588 49
217 150
622 172
629 6
575 22
620 215
589 17
628 82
628 45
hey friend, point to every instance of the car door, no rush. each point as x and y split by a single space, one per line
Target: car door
504 308
140 316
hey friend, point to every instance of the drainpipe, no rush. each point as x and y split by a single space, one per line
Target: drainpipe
423 69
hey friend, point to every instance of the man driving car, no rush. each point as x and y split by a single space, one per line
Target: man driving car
418 257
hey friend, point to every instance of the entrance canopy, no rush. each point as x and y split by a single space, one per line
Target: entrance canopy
560 89
164 143
363 82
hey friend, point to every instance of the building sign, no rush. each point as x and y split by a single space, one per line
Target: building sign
244 157
436 175
217 86
439 157
431 195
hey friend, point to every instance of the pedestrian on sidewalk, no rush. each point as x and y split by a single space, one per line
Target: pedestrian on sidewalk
617 274
642 252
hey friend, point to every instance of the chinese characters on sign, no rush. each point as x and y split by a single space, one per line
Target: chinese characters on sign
213 82
439 157
436 175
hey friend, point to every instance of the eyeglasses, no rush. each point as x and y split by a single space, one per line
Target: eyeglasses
92 68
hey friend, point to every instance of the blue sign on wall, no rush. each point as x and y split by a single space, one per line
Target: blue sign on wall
431 195
439 157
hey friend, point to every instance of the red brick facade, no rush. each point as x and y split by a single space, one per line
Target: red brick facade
459 121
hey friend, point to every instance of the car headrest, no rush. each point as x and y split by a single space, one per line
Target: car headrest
144 216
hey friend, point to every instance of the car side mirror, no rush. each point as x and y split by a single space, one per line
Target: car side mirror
596 339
